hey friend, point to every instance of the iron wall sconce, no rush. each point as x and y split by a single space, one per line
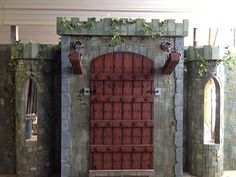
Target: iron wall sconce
173 57
75 57
171 62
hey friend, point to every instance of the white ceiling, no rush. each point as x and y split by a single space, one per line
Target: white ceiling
44 12
37 16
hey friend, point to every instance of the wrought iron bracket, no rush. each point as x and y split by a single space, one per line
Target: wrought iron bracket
75 57
166 46
173 57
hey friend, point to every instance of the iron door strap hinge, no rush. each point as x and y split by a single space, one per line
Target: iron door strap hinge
88 92
156 91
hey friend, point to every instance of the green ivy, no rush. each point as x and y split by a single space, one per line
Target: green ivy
116 22
117 38
67 24
202 67
229 62
228 59
71 26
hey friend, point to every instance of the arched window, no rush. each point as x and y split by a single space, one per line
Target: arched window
211 112
31 118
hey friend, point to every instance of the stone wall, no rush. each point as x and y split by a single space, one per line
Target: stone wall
7 113
203 159
230 121
36 156
168 138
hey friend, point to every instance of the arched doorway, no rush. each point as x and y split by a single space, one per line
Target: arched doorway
121 129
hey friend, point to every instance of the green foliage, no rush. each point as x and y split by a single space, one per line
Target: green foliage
147 28
228 59
202 67
229 62
7 80
116 23
17 49
117 38
71 26
67 24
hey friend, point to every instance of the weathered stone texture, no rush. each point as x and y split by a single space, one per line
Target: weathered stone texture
168 107
37 158
230 121
7 113
202 159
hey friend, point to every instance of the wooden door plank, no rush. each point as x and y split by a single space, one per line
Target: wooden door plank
128 63
137 65
121 111
117 111
136 160
116 160
108 63
126 161
118 62
98 135
107 136
108 111
97 161
127 111
117 136
118 87
107 160
137 88
97 111
98 64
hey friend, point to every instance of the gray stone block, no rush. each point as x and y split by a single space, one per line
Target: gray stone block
178 169
178 99
155 26
65 170
179 71
207 52
64 156
171 27
179 154
143 51
124 29
65 140
64 125
179 86
179 126
186 24
179 138
107 26
66 100
65 113
139 27
131 29
179 30
65 85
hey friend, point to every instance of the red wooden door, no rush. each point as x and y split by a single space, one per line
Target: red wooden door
121 112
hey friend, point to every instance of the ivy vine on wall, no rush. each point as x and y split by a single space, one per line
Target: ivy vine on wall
116 23
202 67
229 62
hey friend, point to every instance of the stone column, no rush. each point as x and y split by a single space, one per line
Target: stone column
34 155
204 159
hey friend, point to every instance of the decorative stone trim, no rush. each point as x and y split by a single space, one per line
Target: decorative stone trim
178 104
207 52
33 51
203 159
105 27
121 173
